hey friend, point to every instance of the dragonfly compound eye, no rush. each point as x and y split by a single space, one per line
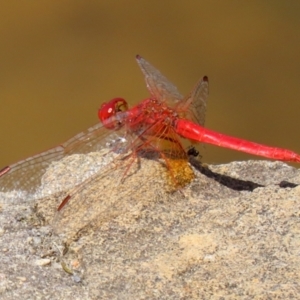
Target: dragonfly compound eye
108 110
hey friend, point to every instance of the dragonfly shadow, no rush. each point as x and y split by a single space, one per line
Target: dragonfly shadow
230 182
286 184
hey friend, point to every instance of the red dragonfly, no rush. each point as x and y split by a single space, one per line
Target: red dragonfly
154 125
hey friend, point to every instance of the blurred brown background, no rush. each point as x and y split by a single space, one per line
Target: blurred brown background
59 60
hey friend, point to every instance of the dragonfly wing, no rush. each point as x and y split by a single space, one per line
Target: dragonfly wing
85 204
26 174
158 85
194 105
101 198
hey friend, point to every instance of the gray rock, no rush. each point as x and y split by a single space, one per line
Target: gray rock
233 232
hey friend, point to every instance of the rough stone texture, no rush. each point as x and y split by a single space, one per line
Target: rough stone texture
233 233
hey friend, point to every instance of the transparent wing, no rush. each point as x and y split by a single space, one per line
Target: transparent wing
101 197
158 85
26 174
194 105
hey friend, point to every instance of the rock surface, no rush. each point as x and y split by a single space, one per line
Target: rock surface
233 233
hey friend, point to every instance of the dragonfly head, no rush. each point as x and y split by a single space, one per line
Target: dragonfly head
108 111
